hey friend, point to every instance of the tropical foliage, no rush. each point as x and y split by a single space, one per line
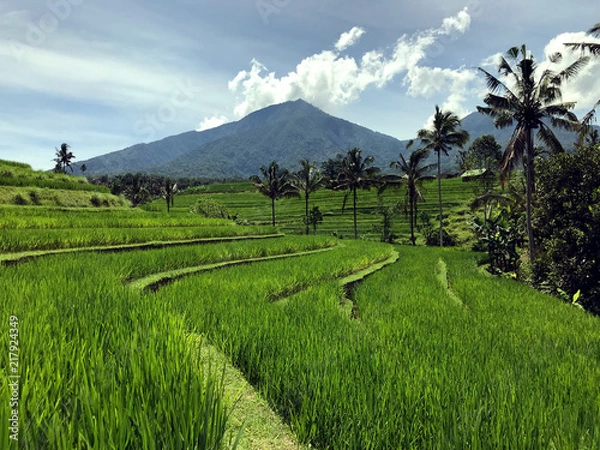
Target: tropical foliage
444 134
275 184
412 174
307 180
356 173
63 158
567 217
530 98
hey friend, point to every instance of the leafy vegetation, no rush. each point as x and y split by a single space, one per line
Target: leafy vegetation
275 184
567 217
444 134
521 95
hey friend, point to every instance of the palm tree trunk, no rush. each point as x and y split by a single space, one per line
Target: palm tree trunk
273 211
306 214
412 214
439 176
355 230
530 174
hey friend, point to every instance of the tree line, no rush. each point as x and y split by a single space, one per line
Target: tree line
555 211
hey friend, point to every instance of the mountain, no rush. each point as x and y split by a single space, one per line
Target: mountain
287 133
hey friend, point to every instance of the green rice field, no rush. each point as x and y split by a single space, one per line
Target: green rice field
105 336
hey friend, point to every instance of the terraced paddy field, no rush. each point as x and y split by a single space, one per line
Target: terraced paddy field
242 200
121 346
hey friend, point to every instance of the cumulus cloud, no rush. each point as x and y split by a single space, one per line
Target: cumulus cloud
585 87
349 38
329 78
212 122
429 81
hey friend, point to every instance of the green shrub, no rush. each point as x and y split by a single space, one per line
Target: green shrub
96 201
35 197
210 208
20 200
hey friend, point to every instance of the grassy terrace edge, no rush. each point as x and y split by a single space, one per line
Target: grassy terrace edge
154 281
14 258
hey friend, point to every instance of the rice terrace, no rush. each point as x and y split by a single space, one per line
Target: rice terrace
293 280
130 322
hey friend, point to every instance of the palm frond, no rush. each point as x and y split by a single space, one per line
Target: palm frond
546 135
573 69
555 58
590 115
493 83
513 154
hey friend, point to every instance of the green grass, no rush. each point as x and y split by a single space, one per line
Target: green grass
33 196
19 174
252 207
432 354
20 185
419 370
102 367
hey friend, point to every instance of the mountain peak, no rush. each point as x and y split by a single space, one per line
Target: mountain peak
286 132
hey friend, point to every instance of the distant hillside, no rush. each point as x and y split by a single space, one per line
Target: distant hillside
286 133
21 185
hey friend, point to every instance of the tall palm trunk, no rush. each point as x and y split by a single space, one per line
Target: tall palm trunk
306 213
530 174
439 177
273 211
411 200
354 198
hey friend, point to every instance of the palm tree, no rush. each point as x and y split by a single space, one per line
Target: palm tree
521 96
169 190
444 134
307 180
275 184
63 158
413 173
592 47
356 173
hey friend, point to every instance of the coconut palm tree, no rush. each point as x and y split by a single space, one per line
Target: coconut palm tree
63 158
529 98
444 134
412 174
275 184
307 180
356 173
169 189
592 47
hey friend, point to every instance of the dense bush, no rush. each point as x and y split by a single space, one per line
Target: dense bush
211 208
567 218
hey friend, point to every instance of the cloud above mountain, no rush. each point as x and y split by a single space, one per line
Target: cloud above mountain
333 77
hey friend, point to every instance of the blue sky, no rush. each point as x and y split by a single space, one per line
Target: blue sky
104 75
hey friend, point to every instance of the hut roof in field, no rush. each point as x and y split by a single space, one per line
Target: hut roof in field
474 173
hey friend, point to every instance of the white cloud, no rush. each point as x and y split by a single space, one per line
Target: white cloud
328 79
459 23
212 122
585 87
349 38
430 81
